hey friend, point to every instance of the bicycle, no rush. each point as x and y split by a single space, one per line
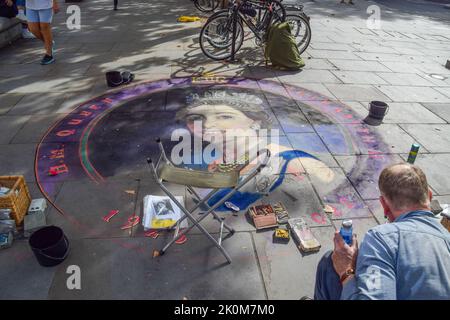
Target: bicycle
206 5
224 30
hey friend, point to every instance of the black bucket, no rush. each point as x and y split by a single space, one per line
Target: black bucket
49 245
377 111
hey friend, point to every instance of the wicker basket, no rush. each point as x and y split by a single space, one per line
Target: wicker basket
18 199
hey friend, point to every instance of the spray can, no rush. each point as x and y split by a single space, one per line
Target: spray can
413 153
347 231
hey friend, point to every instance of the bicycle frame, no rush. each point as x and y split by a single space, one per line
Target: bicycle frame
264 22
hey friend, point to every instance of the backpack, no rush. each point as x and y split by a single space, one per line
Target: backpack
281 48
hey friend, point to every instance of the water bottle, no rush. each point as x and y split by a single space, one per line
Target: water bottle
347 231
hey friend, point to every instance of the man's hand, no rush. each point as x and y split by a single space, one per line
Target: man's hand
344 256
55 7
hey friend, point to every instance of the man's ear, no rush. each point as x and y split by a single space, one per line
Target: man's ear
386 209
430 194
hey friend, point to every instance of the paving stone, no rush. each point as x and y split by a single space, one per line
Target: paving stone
332 54
445 91
78 69
318 64
85 203
364 175
371 56
436 167
404 112
106 266
358 77
377 210
373 48
309 76
282 281
358 107
330 46
440 109
37 104
339 193
434 137
413 94
400 67
319 88
7 101
404 79
9 126
22 277
18 159
357 65
356 92
442 199
12 70
311 143
292 120
35 128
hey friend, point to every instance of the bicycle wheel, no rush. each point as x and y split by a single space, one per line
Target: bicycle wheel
216 37
300 30
206 5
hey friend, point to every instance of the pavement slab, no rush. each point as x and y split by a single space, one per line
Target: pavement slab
346 63
356 92
22 277
7 101
440 109
125 269
435 166
10 126
405 112
434 137
413 94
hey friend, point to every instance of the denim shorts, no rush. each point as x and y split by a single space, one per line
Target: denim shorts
42 16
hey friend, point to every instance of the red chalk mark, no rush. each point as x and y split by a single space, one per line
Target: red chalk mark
363 130
55 170
348 116
65 133
132 221
368 139
57 154
85 113
336 212
107 100
318 218
373 154
152 234
94 107
182 239
337 110
75 122
345 201
111 214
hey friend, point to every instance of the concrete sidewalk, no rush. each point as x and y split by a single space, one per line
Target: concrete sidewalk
402 64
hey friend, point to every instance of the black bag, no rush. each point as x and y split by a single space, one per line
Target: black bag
8 11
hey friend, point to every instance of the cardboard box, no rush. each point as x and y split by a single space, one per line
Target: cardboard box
263 216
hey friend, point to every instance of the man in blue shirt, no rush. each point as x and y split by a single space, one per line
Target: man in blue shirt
408 258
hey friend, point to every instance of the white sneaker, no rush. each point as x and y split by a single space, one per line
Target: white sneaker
26 34
21 16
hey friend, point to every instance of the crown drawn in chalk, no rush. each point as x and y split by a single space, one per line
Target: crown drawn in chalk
221 95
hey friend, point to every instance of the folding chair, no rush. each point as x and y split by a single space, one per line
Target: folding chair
166 171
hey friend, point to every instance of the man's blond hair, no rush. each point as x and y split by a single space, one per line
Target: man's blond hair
404 185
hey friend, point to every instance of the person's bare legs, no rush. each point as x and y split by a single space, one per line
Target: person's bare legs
35 29
46 31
